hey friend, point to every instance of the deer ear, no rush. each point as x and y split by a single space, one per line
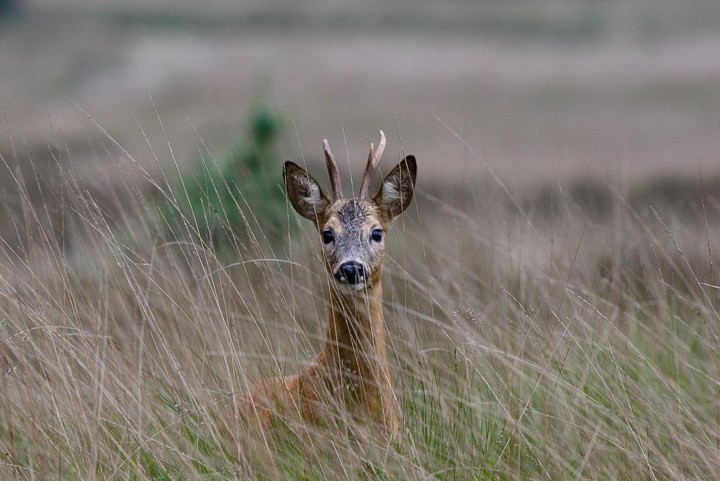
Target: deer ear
397 188
304 192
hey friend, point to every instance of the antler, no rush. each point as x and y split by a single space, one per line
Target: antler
333 171
372 164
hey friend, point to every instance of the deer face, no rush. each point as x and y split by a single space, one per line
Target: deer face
352 231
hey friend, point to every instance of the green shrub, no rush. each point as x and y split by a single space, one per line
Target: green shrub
229 199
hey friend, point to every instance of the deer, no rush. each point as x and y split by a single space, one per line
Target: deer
351 371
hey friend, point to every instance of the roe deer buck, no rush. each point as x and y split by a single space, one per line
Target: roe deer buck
351 372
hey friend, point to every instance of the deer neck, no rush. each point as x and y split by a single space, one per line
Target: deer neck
356 335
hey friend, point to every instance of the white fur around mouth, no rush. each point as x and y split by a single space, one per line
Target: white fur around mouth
345 287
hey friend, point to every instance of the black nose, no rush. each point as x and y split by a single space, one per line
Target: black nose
350 272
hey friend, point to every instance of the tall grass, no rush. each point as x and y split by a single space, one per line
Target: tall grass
523 346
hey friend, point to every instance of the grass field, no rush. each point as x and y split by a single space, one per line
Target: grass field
551 295
524 346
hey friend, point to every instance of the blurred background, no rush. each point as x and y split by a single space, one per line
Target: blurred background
551 295
497 99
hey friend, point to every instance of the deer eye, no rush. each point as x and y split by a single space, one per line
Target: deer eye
376 235
328 236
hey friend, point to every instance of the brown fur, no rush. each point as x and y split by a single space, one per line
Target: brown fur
351 374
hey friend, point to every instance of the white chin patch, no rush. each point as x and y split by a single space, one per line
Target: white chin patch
351 288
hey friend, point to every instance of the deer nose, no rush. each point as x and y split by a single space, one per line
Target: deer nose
351 273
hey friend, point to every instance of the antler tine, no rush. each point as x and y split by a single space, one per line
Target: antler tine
372 164
333 171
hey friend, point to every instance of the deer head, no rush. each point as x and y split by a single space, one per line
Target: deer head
352 231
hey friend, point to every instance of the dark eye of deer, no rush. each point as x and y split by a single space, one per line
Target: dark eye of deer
376 235
327 236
